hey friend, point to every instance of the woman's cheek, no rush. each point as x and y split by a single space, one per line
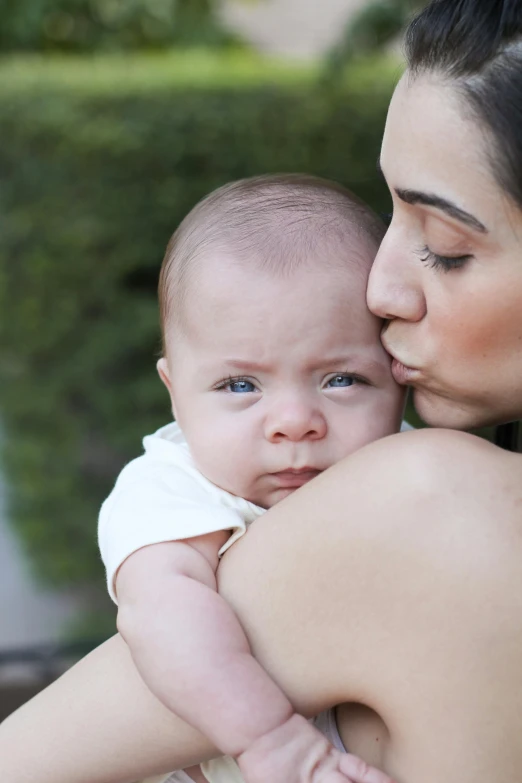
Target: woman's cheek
489 330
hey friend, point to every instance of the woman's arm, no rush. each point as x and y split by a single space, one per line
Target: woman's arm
98 723
393 579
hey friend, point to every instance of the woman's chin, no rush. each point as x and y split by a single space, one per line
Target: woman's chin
438 411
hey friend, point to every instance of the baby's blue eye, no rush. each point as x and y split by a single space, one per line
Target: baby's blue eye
341 381
241 387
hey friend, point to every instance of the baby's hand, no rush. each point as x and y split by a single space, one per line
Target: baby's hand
297 752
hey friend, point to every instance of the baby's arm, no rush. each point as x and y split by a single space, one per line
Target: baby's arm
193 654
189 647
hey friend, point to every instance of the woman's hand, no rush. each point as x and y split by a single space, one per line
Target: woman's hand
297 752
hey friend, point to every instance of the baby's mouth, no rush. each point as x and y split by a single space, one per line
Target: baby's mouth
292 478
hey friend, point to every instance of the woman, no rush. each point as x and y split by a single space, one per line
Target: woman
397 572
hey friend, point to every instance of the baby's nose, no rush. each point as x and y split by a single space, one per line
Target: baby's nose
295 421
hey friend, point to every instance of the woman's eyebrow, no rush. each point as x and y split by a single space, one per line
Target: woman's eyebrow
429 200
451 209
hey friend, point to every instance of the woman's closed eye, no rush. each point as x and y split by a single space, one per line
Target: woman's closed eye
237 385
444 263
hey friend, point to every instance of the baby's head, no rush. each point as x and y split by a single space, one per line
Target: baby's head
272 359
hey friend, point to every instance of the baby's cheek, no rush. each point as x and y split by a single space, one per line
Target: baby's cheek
238 467
224 460
366 428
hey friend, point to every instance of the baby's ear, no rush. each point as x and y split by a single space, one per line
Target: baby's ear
163 372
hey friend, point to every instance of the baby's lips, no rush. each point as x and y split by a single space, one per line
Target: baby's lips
290 479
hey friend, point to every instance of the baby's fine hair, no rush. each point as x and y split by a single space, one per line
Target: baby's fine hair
274 222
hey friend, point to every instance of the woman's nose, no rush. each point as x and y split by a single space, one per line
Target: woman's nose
294 420
394 285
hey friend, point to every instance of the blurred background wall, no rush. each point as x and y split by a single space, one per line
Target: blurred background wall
298 29
31 614
115 118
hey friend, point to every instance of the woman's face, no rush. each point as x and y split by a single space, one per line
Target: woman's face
448 276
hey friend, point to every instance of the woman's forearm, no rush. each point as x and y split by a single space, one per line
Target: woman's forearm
97 724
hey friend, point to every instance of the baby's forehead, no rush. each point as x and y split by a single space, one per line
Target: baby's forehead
239 303
227 271
225 276
280 331
293 235
347 251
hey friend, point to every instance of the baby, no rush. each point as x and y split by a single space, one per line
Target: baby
275 372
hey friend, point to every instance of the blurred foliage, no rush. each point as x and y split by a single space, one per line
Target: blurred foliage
90 25
374 28
95 175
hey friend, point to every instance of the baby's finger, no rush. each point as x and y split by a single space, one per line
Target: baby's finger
359 772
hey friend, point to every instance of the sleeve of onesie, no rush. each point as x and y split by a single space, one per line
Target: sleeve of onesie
154 502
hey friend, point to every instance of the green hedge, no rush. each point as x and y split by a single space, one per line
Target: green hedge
99 25
99 161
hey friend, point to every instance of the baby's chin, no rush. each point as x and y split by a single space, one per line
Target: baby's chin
274 496
264 497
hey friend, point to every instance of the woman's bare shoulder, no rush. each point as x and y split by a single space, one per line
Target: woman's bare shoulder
448 467
432 448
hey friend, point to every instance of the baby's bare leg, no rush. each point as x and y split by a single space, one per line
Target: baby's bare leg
394 579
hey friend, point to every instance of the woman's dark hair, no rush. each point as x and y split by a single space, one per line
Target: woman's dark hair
477 45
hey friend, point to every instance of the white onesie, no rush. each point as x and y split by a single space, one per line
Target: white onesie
161 496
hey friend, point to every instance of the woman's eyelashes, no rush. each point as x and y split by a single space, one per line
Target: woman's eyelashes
444 263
